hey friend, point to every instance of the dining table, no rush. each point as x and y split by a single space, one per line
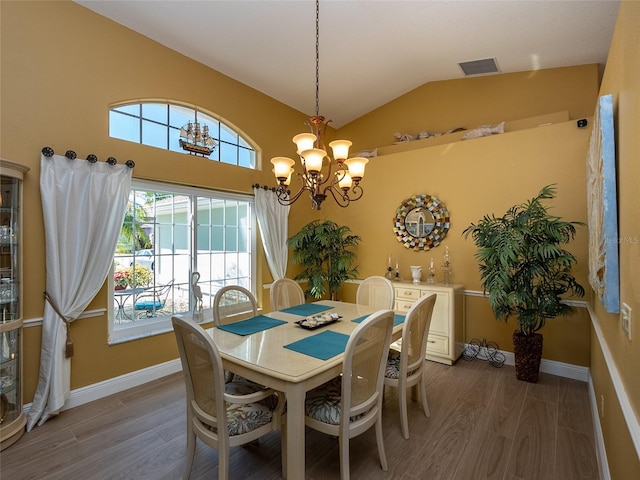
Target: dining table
273 350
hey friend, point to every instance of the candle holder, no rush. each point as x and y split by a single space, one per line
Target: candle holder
389 273
447 273
431 277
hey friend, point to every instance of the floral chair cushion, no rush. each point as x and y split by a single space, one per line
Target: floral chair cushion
243 418
323 403
393 365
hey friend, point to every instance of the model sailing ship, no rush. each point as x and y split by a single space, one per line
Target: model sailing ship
195 140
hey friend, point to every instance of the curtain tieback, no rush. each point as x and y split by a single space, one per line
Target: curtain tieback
68 350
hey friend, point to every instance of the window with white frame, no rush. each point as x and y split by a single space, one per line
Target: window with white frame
169 232
159 125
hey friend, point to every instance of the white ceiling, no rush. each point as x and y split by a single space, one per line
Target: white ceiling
371 51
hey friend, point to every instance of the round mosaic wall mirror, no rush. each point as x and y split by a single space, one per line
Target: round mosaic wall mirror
421 222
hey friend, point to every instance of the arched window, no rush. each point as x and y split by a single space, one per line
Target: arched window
163 125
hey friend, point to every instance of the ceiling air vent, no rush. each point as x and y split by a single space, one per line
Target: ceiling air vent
479 67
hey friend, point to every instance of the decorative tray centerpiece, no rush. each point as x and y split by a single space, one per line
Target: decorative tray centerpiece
317 321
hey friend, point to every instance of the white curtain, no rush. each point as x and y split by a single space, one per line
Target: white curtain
273 223
83 206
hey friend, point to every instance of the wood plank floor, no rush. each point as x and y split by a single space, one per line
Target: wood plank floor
484 424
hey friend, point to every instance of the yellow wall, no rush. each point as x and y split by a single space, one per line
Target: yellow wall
622 80
469 102
62 66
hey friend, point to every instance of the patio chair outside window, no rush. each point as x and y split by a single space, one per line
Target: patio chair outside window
153 299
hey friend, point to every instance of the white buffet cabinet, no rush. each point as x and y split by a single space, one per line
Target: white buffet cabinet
446 334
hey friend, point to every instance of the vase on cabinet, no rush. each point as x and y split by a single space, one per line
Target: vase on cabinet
416 273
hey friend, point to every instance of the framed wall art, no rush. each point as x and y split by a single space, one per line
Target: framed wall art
602 208
421 222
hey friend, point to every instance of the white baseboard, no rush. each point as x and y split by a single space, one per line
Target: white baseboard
87 394
601 453
552 367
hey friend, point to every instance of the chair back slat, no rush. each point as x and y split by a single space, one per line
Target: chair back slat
286 293
365 360
202 367
233 303
377 292
416 331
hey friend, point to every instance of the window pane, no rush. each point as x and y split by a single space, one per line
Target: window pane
217 239
231 214
160 124
174 140
231 239
130 109
228 135
154 135
217 212
228 153
155 111
124 127
246 158
180 116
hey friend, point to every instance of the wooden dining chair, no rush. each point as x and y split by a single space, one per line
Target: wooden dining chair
376 291
222 415
285 293
233 303
350 404
406 369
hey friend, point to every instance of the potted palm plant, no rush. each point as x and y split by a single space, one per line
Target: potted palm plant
322 247
525 272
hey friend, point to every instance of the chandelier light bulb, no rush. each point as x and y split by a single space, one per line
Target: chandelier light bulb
340 149
313 159
282 167
304 141
344 179
356 167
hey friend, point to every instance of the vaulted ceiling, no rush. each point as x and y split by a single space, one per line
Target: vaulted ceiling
371 51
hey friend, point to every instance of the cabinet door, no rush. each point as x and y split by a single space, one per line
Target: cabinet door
440 318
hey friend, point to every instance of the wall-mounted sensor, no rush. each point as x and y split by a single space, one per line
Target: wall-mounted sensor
582 123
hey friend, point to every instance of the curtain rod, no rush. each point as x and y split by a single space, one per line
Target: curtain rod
264 187
91 158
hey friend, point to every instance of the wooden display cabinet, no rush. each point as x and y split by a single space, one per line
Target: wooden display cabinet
12 418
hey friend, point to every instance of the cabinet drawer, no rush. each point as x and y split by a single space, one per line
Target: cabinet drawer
403 306
406 293
438 344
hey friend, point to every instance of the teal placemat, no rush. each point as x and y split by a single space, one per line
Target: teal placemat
321 345
251 325
306 309
397 319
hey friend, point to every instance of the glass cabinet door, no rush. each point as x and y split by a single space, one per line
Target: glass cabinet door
9 249
10 397
12 418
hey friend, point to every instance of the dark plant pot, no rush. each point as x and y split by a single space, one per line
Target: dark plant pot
527 350
119 287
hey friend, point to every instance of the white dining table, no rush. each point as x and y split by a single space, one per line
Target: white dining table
261 357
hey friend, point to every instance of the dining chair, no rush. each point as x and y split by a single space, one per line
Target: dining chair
376 291
406 368
351 403
220 415
233 303
153 299
286 293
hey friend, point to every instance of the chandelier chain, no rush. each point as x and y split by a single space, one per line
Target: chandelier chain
317 57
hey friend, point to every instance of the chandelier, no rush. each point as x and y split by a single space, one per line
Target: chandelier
339 177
